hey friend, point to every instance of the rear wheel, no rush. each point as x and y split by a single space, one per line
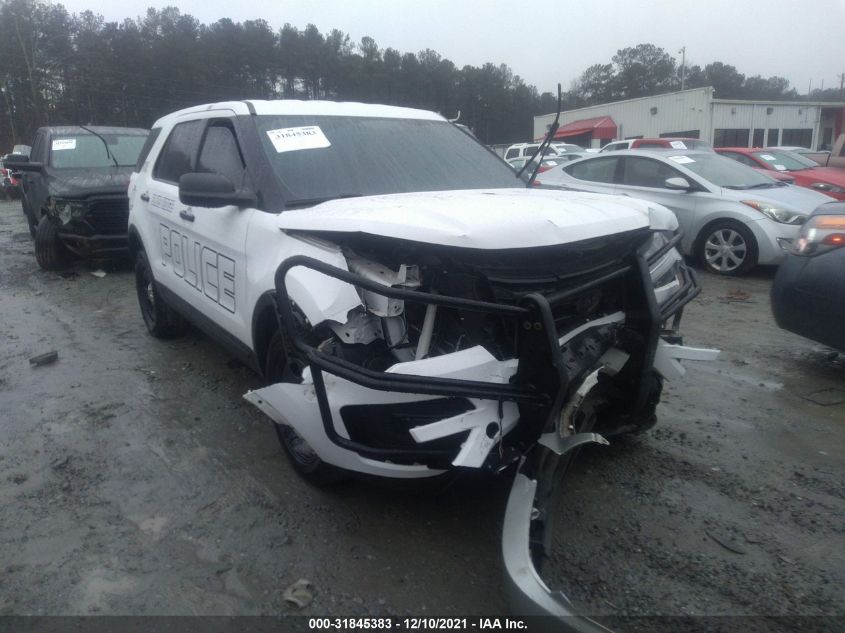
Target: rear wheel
279 368
161 320
727 248
50 253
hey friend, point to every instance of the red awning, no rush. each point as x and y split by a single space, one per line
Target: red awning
602 127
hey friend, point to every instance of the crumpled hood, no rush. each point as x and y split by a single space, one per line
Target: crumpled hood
81 183
484 219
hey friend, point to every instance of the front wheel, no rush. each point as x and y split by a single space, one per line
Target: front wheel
278 368
50 252
161 320
727 248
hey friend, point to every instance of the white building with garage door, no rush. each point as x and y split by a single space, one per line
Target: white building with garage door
695 113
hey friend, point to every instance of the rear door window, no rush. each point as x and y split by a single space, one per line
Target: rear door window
646 172
179 155
596 170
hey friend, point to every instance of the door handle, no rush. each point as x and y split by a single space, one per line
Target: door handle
145 197
186 215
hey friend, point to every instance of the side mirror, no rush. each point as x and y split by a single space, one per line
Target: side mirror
20 162
212 190
677 183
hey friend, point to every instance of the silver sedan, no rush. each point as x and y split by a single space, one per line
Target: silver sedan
732 216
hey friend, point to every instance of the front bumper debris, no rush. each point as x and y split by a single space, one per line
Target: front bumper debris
526 397
527 594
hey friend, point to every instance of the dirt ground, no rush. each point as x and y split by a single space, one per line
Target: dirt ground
135 480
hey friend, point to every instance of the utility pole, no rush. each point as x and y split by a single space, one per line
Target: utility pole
842 84
683 53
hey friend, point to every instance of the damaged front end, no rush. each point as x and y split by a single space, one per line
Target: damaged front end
92 226
508 359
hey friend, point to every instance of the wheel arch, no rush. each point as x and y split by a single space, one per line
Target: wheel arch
264 323
709 224
136 244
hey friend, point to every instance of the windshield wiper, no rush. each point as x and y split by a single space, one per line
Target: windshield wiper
759 185
541 151
310 202
108 153
763 185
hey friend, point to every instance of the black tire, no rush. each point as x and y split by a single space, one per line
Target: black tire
727 247
162 321
302 457
50 253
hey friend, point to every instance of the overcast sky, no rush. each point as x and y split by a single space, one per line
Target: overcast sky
550 41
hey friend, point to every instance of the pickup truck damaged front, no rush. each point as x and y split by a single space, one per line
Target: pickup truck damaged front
530 369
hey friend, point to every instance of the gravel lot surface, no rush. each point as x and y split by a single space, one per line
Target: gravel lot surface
135 480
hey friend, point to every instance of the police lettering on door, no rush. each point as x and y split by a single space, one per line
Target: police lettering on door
200 267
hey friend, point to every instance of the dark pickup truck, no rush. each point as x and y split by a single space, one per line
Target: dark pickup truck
74 190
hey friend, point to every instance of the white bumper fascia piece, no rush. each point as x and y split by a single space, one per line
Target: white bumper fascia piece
667 358
296 406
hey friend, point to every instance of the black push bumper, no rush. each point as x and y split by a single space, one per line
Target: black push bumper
546 372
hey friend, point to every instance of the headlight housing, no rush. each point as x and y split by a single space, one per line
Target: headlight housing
67 210
826 187
658 240
666 270
822 233
782 216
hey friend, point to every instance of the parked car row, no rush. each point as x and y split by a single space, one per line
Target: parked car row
732 216
656 143
803 171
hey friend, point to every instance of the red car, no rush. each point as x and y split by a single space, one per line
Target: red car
806 172
10 186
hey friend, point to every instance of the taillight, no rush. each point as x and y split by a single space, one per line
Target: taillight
820 234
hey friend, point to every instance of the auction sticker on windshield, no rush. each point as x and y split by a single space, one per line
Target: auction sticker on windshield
64 143
681 159
291 139
677 144
768 157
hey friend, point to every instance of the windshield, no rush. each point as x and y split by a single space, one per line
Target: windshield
724 172
83 150
319 158
785 161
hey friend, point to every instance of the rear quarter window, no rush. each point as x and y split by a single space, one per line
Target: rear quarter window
145 150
